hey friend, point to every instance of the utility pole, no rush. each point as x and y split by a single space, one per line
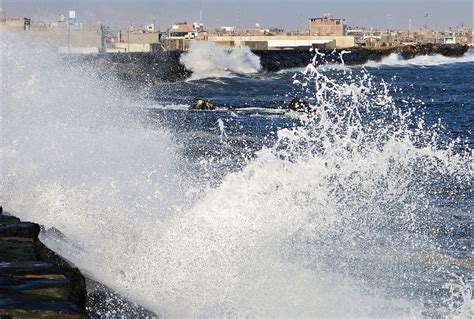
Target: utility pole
200 12
389 16
409 27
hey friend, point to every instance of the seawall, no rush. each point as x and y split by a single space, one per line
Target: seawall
277 60
159 67
34 281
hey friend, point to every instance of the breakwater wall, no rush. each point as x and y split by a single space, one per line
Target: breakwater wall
34 281
149 68
278 60
139 67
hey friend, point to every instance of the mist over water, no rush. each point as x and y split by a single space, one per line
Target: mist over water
336 219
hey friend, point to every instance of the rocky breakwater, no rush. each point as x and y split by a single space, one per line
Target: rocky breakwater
142 69
275 60
139 68
34 281
363 55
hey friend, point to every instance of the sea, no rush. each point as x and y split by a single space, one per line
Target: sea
361 208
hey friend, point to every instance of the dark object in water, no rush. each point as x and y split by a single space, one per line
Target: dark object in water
200 104
299 105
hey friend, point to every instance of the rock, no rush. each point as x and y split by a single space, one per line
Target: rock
275 60
150 68
200 104
136 67
299 105
21 230
34 281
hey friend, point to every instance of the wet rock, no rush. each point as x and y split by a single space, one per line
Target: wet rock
299 105
19 230
203 105
275 60
165 66
450 50
140 68
34 281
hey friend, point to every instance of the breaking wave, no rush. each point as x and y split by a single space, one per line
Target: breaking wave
423 60
325 223
208 60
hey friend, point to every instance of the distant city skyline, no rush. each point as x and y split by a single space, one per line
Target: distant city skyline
290 15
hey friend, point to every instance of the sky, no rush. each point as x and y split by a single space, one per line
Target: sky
287 14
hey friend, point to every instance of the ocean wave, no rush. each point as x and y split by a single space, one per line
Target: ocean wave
424 60
321 224
208 60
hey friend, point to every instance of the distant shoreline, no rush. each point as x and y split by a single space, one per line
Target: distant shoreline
166 66
277 60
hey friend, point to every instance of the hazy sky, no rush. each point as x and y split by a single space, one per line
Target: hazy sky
288 14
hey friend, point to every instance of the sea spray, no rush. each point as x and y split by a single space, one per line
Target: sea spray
329 222
75 158
396 60
208 60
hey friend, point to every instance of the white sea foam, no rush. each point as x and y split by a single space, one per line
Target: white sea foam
307 228
423 60
208 60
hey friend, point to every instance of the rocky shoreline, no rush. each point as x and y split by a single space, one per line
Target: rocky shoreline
273 61
35 282
159 67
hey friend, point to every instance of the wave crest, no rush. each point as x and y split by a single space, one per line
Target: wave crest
208 60
423 60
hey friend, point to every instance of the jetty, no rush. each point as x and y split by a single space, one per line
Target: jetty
165 66
34 281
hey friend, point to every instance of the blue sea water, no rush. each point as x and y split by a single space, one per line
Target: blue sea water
444 92
361 209
253 109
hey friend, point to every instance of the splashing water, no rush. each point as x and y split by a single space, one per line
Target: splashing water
223 134
207 60
460 303
423 60
325 223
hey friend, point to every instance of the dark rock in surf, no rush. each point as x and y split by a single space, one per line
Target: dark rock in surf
299 105
203 105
